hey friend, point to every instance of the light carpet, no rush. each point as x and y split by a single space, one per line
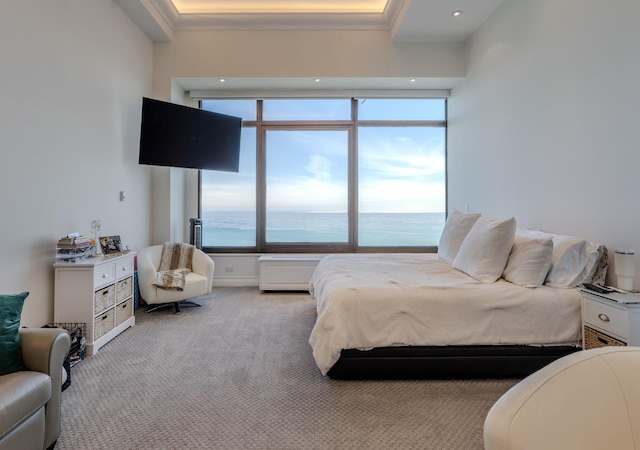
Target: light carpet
238 373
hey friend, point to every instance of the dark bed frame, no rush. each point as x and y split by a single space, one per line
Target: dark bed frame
446 362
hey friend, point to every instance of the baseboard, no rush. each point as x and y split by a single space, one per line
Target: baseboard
235 281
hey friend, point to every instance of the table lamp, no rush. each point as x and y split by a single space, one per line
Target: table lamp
625 268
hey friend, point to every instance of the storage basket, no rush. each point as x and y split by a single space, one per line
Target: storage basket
104 298
103 323
123 311
595 339
124 289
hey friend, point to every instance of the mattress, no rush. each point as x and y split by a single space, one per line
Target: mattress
367 301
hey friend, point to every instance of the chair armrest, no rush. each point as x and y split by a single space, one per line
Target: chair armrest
146 275
202 264
44 350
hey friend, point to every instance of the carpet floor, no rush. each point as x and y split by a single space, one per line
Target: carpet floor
237 373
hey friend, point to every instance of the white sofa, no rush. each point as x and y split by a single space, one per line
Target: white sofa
587 400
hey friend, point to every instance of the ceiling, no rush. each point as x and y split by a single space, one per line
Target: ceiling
407 21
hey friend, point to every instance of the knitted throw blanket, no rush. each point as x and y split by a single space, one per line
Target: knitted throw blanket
175 264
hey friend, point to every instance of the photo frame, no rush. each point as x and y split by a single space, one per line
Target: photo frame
110 245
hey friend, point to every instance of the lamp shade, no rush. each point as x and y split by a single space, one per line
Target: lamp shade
625 268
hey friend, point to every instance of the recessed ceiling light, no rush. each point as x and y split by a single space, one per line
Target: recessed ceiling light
457 13
222 80
413 80
317 80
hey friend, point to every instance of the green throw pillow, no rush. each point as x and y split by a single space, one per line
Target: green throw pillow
10 312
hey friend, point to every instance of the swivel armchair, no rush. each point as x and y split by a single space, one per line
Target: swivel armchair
589 400
198 282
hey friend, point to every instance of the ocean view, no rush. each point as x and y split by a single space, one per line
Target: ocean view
238 229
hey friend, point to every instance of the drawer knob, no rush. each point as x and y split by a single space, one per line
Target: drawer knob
105 275
603 317
124 268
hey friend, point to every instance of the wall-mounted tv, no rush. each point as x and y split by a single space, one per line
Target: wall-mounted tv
180 136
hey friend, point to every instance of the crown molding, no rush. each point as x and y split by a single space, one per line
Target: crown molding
160 18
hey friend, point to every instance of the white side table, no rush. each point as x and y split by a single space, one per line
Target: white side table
610 319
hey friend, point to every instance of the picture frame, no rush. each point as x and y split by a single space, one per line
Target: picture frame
110 245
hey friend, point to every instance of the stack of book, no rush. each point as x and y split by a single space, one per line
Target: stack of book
73 248
75 241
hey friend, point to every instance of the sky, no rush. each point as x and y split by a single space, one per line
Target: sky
400 169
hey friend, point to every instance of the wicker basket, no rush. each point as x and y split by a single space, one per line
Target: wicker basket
103 323
123 311
124 289
595 339
104 298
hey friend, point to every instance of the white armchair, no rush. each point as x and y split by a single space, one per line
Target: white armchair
587 400
198 282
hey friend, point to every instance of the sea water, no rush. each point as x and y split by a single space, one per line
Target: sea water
238 228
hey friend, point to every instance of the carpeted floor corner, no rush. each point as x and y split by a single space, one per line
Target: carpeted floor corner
238 373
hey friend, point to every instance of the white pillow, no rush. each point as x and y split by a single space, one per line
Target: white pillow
529 261
485 251
455 230
572 261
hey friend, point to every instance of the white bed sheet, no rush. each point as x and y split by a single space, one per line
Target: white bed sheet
381 300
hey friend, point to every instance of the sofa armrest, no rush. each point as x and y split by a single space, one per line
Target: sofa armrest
44 350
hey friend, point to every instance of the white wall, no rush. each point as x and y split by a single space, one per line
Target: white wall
277 54
293 53
545 126
73 74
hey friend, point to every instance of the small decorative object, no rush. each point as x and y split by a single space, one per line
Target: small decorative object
625 268
95 229
110 245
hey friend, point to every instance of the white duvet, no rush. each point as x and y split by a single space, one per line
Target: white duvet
381 300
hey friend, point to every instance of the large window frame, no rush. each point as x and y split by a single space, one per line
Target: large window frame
351 125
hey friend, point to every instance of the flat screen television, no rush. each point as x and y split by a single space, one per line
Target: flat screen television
180 136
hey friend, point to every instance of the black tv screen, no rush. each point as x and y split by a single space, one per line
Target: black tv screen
180 136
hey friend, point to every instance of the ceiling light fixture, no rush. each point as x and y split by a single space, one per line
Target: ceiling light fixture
317 80
413 80
222 80
457 13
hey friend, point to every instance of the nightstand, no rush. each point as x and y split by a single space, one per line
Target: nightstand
610 319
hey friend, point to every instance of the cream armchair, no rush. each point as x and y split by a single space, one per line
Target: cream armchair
589 400
198 282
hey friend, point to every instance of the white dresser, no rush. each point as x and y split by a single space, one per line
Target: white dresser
98 292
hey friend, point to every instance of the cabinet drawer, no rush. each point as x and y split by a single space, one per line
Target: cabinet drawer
607 318
124 289
104 298
103 323
104 274
124 268
124 310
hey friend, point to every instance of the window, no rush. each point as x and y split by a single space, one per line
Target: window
330 175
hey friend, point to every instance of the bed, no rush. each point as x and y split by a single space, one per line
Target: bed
419 315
